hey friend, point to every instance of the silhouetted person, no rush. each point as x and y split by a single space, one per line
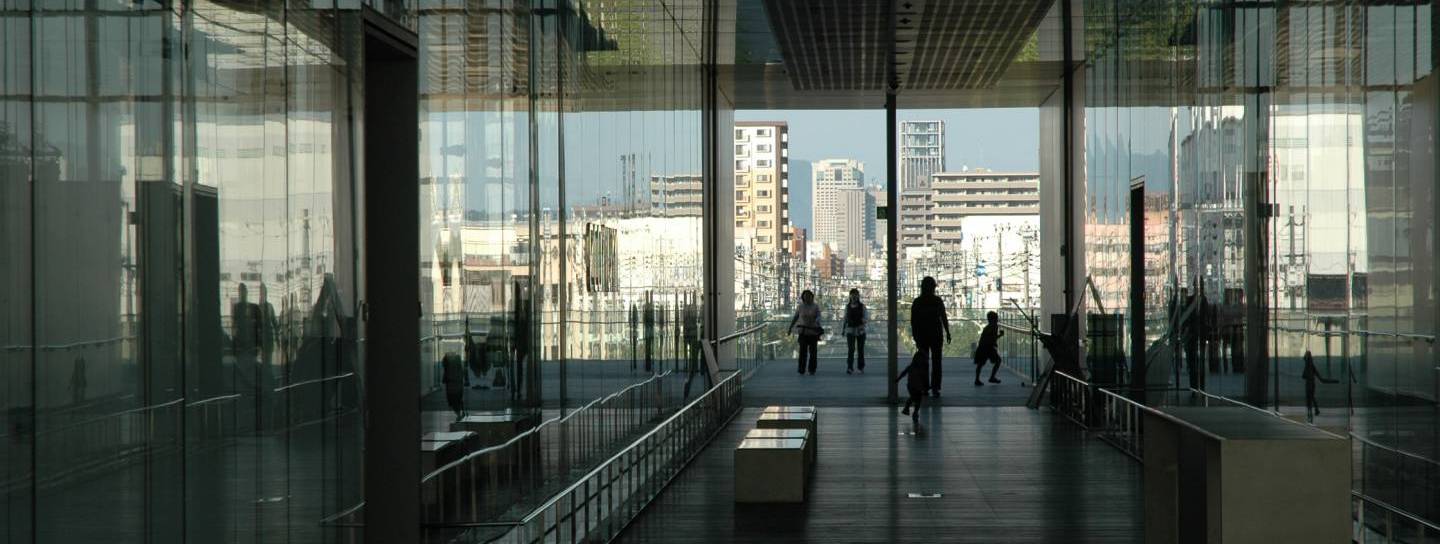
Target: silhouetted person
988 350
806 325
1193 331
930 328
453 376
475 357
268 326
521 375
79 381
634 335
1311 374
649 334
856 317
918 383
692 337
245 328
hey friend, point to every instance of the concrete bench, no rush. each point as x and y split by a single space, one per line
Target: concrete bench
442 448
770 470
789 409
493 428
1232 474
790 420
802 434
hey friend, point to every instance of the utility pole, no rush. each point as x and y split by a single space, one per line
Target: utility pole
1027 239
1000 267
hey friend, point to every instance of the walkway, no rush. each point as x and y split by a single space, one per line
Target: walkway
1003 474
776 382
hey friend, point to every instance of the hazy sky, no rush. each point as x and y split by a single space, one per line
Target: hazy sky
998 139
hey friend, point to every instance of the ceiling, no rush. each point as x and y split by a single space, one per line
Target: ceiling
947 53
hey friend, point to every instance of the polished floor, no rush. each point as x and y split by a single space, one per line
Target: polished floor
1001 474
777 382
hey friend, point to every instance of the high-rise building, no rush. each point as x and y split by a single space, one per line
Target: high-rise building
857 223
956 197
677 196
762 184
914 217
828 177
922 155
922 152
878 197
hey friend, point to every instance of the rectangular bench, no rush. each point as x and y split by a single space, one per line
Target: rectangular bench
770 470
493 428
790 420
776 409
441 448
802 434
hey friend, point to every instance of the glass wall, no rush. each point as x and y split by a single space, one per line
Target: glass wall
1287 158
561 197
178 342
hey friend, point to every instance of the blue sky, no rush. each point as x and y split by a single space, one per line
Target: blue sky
998 139
665 143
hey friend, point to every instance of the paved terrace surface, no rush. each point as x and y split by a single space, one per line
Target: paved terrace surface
1003 474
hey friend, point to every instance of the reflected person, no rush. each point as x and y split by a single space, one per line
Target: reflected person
267 332
79 381
245 327
928 326
454 378
649 334
1311 375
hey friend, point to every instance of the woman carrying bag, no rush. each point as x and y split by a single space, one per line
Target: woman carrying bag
806 325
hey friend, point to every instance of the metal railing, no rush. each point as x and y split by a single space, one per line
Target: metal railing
1113 418
1399 480
93 444
600 504
501 483
1378 521
1119 421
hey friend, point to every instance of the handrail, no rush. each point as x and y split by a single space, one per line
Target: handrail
72 345
1394 450
536 429
314 381
103 417
1150 410
219 398
1021 330
633 444
1092 411
737 334
1430 338
1211 396
1396 510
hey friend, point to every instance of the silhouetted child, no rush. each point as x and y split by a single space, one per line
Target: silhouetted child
988 351
918 383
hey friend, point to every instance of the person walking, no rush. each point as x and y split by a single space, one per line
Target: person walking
806 325
988 351
927 323
919 382
1311 375
856 317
